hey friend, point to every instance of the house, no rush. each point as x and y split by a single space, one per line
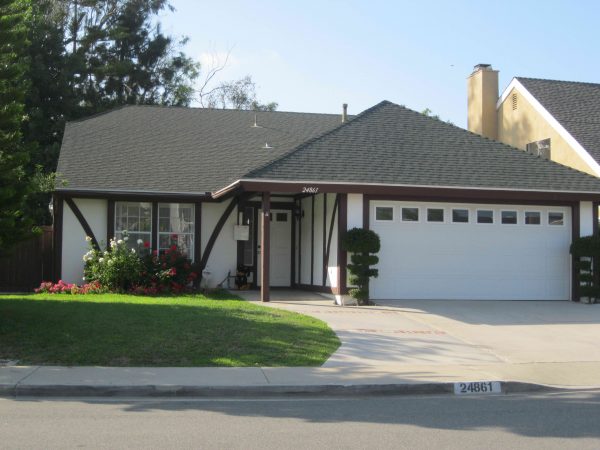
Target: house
557 120
460 216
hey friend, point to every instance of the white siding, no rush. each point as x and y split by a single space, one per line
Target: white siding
223 258
332 270
586 218
318 242
355 211
74 244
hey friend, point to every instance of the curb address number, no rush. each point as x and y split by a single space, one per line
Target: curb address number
477 387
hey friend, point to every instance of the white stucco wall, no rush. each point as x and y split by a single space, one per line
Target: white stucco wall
73 238
355 211
223 257
586 218
305 240
318 242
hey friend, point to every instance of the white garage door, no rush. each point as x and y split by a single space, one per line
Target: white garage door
467 251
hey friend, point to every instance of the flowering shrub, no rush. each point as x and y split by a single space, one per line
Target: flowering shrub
47 287
126 269
118 269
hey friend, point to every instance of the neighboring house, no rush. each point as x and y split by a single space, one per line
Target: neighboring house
459 216
557 120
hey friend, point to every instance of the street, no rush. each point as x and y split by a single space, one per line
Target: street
549 421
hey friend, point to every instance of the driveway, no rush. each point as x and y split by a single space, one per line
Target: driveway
426 332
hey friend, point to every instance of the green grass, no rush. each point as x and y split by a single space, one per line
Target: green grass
127 330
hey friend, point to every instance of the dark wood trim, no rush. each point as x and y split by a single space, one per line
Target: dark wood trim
317 288
324 251
342 255
137 196
110 221
197 231
433 193
575 233
265 254
595 206
216 231
274 205
336 205
299 242
154 219
312 241
366 211
84 223
57 212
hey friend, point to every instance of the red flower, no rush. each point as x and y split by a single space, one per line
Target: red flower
173 247
155 252
147 244
173 236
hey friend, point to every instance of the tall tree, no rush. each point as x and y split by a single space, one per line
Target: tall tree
14 185
237 94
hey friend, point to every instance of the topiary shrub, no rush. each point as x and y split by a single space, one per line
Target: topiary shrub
586 251
362 245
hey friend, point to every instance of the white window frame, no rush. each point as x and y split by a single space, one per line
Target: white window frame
444 215
541 218
386 207
192 233
555 224
462 209
493 222
509 211
118 234
410 207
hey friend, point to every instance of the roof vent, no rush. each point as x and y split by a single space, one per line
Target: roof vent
344 112
256 125
515 103
267 145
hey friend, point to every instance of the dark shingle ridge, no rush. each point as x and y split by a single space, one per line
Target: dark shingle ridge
391 144
588 83
325 134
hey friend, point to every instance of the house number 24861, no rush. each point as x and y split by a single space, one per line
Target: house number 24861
310 190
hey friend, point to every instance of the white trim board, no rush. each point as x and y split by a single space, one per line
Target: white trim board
582 152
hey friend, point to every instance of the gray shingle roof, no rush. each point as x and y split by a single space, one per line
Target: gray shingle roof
162 149
576 106
390 144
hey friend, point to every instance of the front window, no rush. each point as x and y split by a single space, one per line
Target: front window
176 227
135 218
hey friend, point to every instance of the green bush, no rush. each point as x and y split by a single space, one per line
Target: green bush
586 251
361 244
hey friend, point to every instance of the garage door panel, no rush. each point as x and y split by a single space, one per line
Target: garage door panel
421 260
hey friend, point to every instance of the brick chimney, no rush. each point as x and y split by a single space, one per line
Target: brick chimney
482 95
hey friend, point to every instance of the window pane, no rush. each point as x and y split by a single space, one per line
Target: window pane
281 217
555 218
532 218
176 227
485 216
410 214
460 215
509 217
435 215
384 213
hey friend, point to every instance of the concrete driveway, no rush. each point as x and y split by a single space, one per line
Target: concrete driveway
457 333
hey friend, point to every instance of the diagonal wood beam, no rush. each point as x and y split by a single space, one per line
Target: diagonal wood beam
216 231
84 224
333 214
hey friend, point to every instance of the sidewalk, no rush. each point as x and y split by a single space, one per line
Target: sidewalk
264 381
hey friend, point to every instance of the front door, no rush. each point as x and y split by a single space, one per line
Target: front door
281 248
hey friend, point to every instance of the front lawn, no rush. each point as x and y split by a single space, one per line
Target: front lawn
128 330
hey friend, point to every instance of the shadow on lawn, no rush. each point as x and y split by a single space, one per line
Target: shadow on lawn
206 333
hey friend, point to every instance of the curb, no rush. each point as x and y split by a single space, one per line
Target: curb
176 391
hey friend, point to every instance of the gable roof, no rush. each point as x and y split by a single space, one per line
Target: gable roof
575 105
390 144
178 150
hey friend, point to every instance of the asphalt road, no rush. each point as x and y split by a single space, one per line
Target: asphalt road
551 421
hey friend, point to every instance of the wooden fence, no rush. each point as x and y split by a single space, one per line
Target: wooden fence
29 263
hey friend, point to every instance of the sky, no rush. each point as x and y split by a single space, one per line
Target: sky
312 56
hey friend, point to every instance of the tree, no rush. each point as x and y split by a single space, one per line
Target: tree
362 244
14 185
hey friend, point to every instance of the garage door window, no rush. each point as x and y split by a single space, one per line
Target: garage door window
384 213
410 214
533 218
556 218
509 217
460 215
435 215
485 216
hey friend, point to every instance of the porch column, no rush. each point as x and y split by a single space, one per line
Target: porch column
266 247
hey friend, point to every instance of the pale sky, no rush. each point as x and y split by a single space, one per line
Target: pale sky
313 56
